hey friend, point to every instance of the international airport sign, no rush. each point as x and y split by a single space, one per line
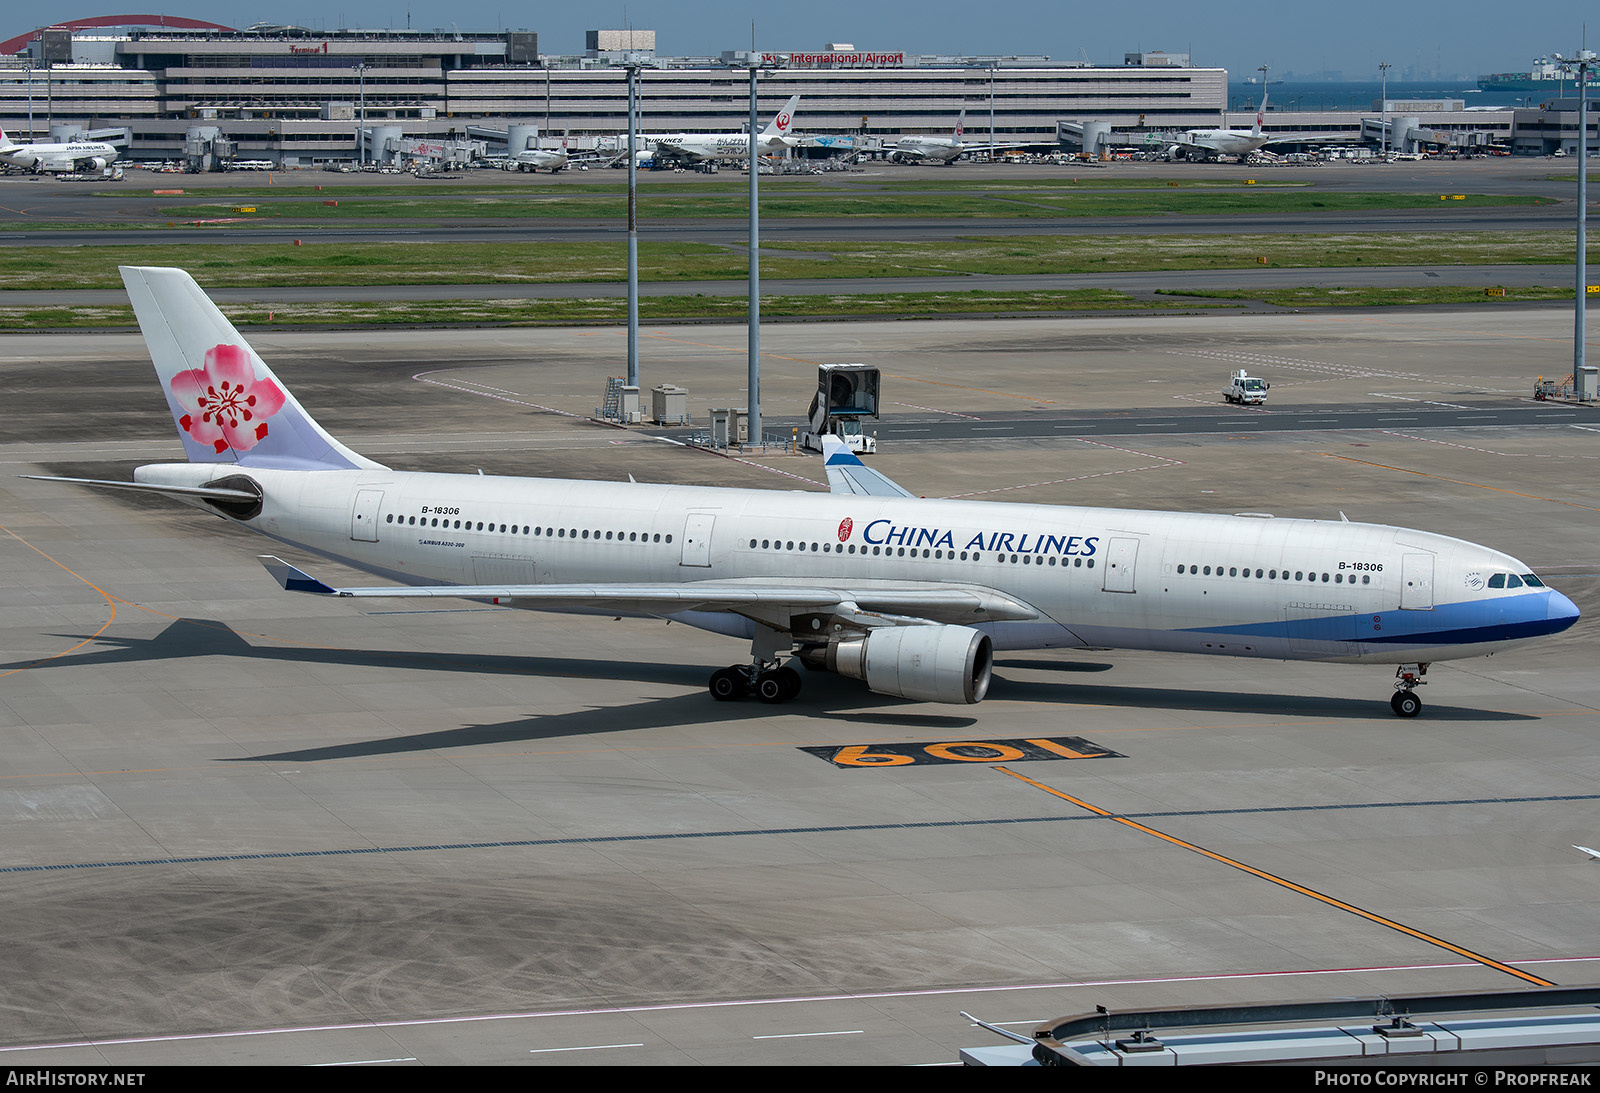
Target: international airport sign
858 59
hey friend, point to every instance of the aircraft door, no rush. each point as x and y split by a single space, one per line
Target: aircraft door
1121 556
697 539
364 517
1416 582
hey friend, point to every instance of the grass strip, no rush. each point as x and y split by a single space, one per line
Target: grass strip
676 203
570 185
611 311
1314 296
263 265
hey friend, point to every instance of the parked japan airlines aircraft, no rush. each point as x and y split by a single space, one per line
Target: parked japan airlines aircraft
83 155
538 159
945 150
1210 143
942 150
911 596
694 147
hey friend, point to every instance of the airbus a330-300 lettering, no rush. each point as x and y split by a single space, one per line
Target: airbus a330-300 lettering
909 595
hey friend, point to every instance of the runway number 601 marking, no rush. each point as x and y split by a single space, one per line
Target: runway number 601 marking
962 751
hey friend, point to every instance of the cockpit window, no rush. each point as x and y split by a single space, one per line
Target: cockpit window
1531 581
1513 581
1497 581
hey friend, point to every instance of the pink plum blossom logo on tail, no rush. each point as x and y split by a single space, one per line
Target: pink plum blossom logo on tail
225 405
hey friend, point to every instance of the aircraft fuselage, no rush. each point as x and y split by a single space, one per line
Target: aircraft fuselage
1133 579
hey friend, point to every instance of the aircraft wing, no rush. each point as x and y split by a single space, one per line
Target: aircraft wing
847 474
934 602
1311 138
1007 146
672 148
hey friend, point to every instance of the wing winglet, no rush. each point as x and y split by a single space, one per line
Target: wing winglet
292 579
847 474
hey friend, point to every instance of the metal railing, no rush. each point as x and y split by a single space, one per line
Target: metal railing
769 443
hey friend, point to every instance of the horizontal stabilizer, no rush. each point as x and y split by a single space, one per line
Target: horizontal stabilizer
847 474
205 493
291 579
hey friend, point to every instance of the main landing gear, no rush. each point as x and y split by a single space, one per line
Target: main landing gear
763 677
1408 677
768 681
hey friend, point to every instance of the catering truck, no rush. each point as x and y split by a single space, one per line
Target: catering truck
847 394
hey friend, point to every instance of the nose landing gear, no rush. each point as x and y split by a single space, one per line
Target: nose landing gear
1408 677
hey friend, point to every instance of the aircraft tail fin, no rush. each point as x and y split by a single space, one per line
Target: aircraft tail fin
1261 114
225 401
779 126
961 126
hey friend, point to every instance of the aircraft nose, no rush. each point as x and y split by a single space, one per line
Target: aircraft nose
1561 610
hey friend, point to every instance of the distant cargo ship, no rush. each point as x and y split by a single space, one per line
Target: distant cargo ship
1546 75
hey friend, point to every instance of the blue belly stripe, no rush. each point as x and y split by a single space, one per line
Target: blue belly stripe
1472 622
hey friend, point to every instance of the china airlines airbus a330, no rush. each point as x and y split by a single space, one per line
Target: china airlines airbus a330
910 596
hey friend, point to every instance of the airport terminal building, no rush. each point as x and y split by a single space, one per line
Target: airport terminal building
287 95
290 97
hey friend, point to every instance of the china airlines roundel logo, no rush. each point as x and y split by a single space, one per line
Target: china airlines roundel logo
225 404
844 528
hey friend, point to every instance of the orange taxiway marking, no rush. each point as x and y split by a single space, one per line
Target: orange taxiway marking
1289 884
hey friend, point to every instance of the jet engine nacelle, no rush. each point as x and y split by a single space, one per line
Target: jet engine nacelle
931 663
93 163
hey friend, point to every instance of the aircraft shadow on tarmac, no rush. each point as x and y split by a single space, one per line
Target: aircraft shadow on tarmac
825 696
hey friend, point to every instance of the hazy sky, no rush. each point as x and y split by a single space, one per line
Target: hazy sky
1465 37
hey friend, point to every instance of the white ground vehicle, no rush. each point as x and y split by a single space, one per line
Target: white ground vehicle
1245 390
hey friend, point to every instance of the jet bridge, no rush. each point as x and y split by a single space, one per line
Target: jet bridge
1533 1027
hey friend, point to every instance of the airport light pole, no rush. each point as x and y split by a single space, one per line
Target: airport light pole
991 112
28 68
1383 107
1583 62
754 63
632 62
361 133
